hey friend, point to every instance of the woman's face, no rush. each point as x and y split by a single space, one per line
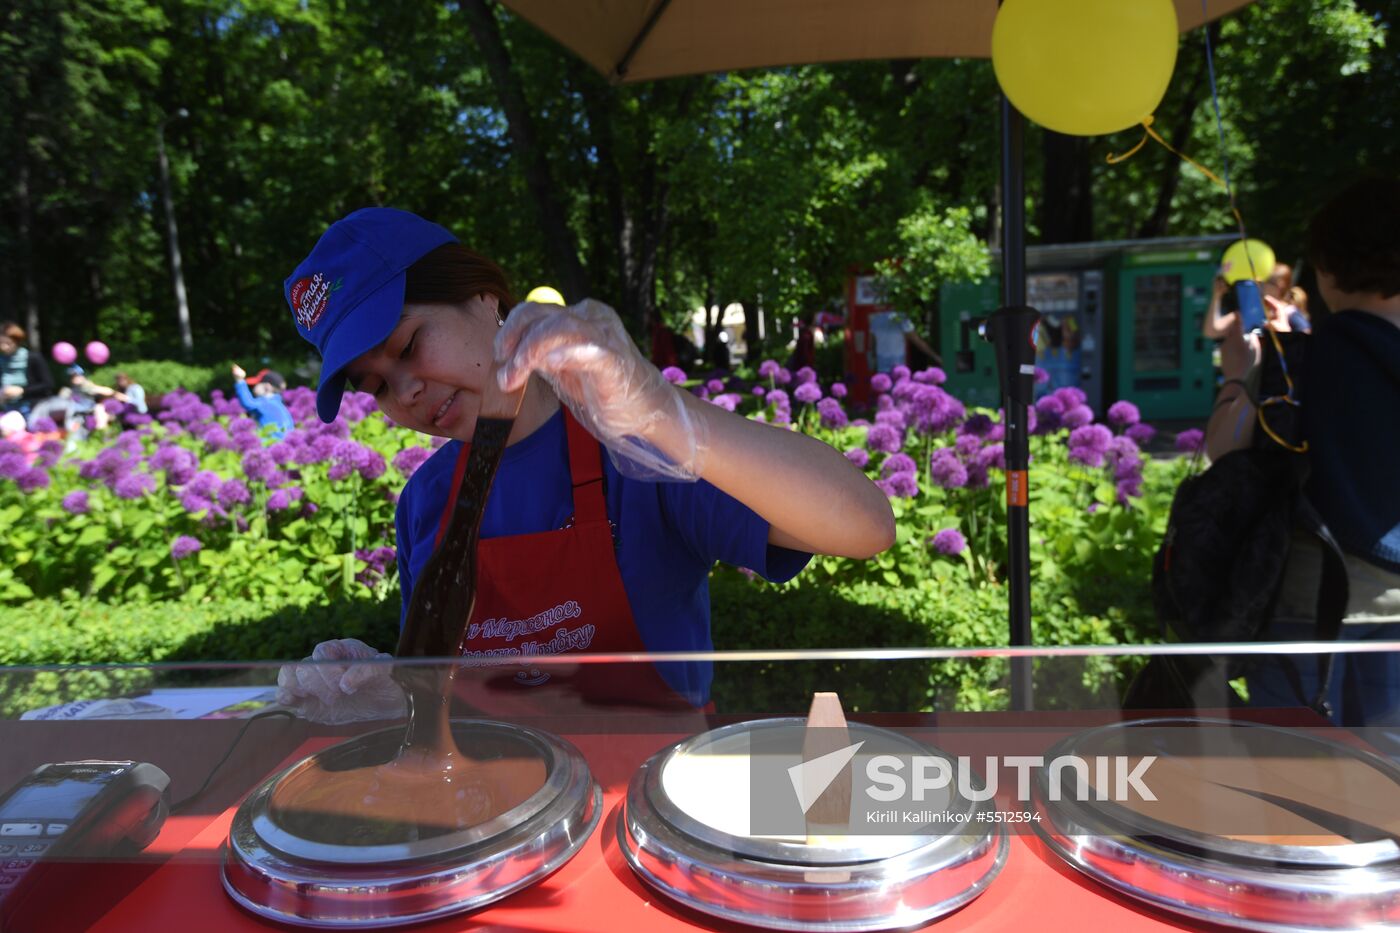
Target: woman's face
7 346
429 374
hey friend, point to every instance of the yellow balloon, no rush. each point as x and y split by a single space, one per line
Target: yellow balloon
1236 263
1085 67
544 295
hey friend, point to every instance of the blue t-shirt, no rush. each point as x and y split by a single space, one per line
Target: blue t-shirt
668 537
265 410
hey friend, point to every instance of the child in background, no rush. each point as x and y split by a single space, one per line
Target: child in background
263 402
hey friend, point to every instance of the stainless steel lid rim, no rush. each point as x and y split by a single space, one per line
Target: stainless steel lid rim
758 910
773 886
1222 918
371 893
790 872
368 906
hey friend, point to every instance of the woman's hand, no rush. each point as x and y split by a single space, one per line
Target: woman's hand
587 357
239 372
328 691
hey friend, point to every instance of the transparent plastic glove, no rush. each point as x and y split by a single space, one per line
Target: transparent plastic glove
333 693
586 356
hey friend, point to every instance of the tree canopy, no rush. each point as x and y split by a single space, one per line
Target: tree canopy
763 187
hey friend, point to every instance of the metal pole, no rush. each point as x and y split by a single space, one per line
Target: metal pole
177 275
1016 403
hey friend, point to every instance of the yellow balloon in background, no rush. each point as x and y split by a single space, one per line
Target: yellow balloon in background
1085 67
1235 264
544 295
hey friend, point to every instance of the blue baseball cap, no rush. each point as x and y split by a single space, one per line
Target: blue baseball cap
347 296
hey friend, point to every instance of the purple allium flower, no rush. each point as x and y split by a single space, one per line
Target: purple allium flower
832 414
893 417
205 483
134 485
1049 405
1129 488
949 542
234 492
729 401
1094 436
759 391
1190 441
43 425
945 469
808 393
1123 414
374 465
779 399
1088 456
898 463
884 438
900 371
805 375
258 465
1141 433
193 502
76 502
1077 416
715 385
900 485
673 374
32 479
700 392
977 425
184 546
768 369
858 456
992 457
1041 376
339 471
884 403
968 446
783 377
14 464
408 460
1071 396
279 500
838 390
880 382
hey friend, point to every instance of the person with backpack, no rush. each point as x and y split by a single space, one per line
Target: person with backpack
1348 415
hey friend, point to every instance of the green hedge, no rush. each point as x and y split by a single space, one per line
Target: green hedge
933 613
159 377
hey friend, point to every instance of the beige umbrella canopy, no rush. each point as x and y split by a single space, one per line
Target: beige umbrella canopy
640 40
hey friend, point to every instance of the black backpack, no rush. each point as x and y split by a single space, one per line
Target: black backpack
1217 575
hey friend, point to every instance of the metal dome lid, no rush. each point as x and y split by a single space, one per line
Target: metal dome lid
1253 826
326 871
684 829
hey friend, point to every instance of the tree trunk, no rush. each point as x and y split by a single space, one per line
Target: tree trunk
26 251
560 243
1067 193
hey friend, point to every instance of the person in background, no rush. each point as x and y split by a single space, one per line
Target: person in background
1349 389
1280 307
123 390
263 402
25 379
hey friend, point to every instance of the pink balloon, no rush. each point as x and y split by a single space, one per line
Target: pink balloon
65 353
97 352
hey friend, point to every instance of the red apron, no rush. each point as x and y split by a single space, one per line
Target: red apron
550 593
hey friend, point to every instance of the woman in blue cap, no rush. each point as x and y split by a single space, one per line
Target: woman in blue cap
579 552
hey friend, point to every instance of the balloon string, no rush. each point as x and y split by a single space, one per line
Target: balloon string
1150 132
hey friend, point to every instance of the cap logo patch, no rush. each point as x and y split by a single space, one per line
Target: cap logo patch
310 297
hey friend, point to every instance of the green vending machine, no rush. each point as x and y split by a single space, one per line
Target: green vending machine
969 361
1161 362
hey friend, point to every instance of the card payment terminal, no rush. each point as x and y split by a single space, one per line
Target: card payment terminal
74 810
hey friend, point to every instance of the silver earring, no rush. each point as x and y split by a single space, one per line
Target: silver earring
500 322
